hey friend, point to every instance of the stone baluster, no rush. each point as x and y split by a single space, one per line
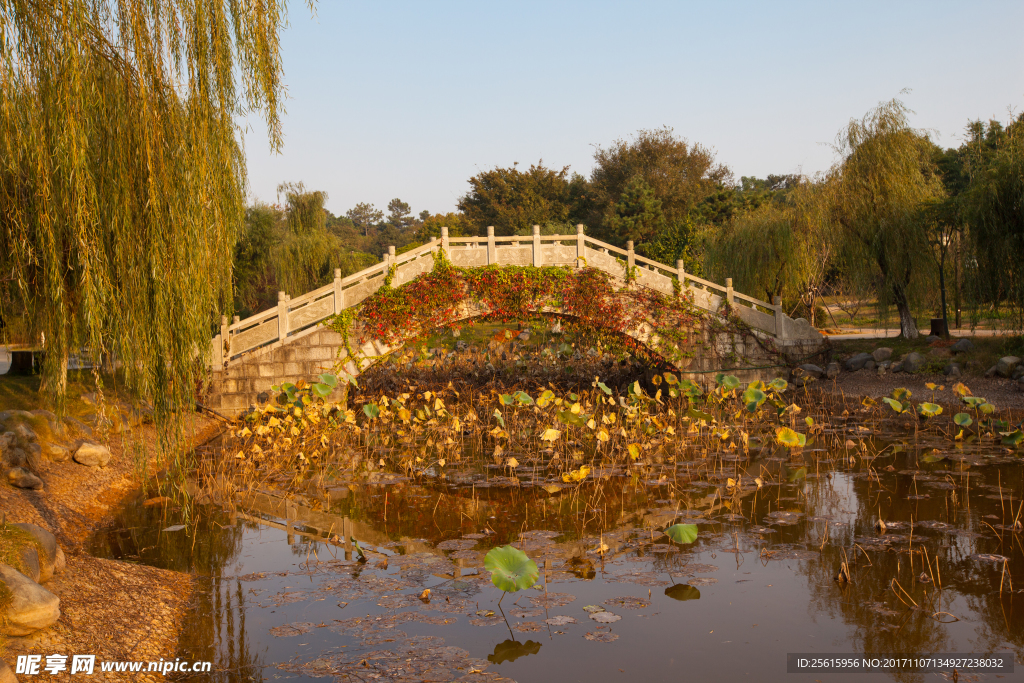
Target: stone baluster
780 318
630 259
581 247
445 245
339 295
681 276
282 315
729 291
492 250
538 256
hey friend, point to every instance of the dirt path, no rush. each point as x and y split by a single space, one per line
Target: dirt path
115 610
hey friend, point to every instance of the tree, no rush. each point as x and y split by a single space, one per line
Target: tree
457 224
512 200
879 187
637 216
364 216
121 177
399 214
679 174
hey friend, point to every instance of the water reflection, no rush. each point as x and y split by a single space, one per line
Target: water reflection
283 593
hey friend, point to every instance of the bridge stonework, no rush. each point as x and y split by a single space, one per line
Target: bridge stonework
288 343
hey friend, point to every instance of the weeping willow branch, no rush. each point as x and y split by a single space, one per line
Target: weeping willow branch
121 178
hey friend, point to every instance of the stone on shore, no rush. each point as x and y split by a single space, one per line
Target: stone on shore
1006 366
48 558
92 455
962 346
23 479
913 362
857 362
952 370
832 370
812 370
31 608
881 353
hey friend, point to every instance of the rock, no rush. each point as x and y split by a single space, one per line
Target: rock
1006 366
886 364
1019 372
832 370
34 457
913 362
870 365
897 367
962 346
931 338
557 327
881 353
60 562
991 372
56 453
857 362
952 370
23 479
881 371
23 431
32 607
811 370
6 675
29 556
456 332
461 345
523 336
50 550
92 455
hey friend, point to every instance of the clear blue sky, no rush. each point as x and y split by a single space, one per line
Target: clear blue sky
411 99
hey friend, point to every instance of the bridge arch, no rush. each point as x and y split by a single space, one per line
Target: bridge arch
689 323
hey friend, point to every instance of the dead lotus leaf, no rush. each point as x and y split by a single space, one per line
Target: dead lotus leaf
605 617
604 637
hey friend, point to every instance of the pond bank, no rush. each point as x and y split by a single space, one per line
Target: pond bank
115 610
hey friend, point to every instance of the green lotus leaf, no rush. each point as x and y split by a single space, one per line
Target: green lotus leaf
604 387
727 382
506 400
670 378
986 408
973 401
757 384
901 394
497 415
894 404
523 398
511 569
929 409
795 475
682 533
321 390
328 379
698 415
778 385
753 398
1013 438
931 457
682 591
963 419
690 388
371 410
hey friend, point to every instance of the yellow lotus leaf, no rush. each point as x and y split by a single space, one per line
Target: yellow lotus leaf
552 488
438 404
350 416
730 483
295 430
404 415
273 422
591 424
576 475
550 435
611 418
512 463
243 432
262 430
575 409
634 451
602 435
456 425
441 462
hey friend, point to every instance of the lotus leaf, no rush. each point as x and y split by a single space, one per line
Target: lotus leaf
963 420
682 533
790 438
929 409
511 569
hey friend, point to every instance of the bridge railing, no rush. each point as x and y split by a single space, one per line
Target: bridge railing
293 318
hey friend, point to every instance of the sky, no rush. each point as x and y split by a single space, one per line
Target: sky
411 99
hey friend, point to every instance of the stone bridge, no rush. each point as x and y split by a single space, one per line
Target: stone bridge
290 342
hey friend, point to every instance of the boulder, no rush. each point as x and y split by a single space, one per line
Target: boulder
50 550
870 365
23 479
31 608
962 346
913 362
952 370
881 353
24 432
61 562
6 675
524 335
1019 372
832 370
857 362
811 370
931 338
461 345
885 364
34 458
897 367
1006 366
92 455
29 556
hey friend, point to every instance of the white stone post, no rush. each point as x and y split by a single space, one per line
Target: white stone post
282 315
217 353
728 291
339 295
630 259
391 254
225 337
780 318
492 250
581 246
681 276
538 257
444 242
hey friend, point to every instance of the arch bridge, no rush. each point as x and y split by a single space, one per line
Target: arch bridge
290 342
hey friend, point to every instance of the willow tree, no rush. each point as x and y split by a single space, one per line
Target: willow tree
886 177
783 248
121 176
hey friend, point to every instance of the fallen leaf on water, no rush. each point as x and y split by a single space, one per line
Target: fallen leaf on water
602 637
560 620
605 617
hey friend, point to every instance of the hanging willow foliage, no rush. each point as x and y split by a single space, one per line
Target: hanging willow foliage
121 177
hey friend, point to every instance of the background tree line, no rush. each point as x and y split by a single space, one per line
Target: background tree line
897 220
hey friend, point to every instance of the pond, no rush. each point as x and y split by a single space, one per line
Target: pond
789 555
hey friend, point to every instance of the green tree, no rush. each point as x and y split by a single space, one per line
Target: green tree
399 214
364 216
512 200
879 188
679 174
121 177
457 224
637 216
